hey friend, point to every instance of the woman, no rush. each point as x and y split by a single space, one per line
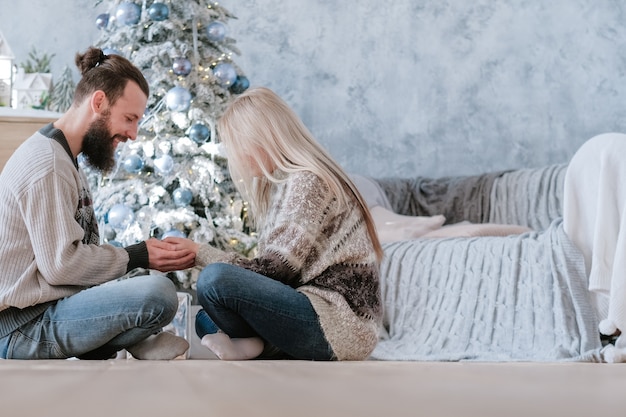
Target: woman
312 292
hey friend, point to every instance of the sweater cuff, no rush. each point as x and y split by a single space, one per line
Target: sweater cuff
208 254
138 256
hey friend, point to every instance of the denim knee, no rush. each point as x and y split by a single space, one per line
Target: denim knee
161 292
213 273
211 277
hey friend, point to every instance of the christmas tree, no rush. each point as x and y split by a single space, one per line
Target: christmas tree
63 92
173 179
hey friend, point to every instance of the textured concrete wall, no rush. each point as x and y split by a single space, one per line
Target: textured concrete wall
411 87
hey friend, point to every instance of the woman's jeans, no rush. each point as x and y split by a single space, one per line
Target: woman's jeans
97 322
242 303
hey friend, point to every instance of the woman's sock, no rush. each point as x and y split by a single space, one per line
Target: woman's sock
236 349
162 346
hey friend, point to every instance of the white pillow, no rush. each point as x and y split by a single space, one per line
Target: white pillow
392 227
467 229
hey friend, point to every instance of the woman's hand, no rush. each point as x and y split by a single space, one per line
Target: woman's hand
182 243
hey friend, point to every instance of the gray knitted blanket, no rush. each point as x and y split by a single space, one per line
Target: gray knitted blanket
457 198
527 197
515 298
530 197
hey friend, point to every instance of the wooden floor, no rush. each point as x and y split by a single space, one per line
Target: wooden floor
122 388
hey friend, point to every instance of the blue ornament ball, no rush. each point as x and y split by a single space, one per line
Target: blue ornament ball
158 12
128 13
216 31
107 232
111 51
173 233
181 66
182 196
164 164
199 133
82 160
102 21
225 74
133 163
115 243
178 99
240 85
120 216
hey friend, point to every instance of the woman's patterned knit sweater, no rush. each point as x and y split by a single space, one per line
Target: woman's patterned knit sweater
323 250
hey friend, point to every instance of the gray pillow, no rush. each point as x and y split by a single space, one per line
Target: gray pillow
371 191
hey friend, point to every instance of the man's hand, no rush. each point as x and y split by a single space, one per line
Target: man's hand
167 256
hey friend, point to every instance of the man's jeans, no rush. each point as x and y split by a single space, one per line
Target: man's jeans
242 303
97 322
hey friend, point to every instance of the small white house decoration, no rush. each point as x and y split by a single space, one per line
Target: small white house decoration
6 72
33 82
32 90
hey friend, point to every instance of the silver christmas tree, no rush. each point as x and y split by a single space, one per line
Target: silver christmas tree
173 179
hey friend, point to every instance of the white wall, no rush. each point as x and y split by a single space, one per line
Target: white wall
410 87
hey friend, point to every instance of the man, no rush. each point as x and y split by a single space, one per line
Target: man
52 301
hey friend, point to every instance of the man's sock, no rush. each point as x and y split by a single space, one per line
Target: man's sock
237 349
162 346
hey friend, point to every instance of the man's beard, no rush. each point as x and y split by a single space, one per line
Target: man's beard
98 144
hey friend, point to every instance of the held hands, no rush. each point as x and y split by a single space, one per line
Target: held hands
205 253
171 254
183 244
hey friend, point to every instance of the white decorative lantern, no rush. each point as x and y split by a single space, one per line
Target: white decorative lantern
6 72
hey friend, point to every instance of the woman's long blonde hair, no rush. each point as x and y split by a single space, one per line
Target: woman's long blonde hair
260 127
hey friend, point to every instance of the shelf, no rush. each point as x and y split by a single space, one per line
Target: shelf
17 125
